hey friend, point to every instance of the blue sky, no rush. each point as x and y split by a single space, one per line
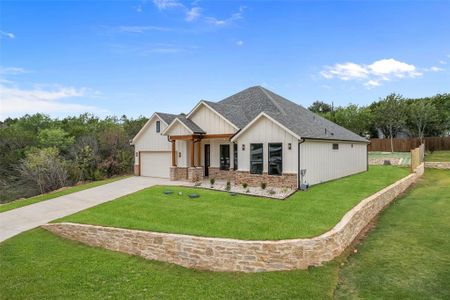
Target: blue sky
137 57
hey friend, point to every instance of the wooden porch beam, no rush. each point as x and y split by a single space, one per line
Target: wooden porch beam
187 137
174 162
218 136
199 153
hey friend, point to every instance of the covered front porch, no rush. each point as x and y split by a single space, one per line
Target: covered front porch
199 156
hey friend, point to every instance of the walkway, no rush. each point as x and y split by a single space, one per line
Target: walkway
28 217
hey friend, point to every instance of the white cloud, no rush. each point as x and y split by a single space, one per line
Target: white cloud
373 74
166 4
435 69
345 71
193 14
234 17
442 62
141 29
7 34
16 101
386 68
12 71
239 43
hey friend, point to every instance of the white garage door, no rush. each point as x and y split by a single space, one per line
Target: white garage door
156 164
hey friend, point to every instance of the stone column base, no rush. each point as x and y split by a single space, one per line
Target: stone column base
137 170
195 174
177 173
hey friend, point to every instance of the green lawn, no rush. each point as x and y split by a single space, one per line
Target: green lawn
438 156
51 195
305 214
407 256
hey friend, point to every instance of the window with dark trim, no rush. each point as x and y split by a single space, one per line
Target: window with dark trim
256 158
158 126
235 157
335 146
224 157
275 159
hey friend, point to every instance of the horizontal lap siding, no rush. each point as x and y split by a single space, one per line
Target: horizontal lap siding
322 163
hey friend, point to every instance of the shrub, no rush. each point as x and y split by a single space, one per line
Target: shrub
244 185
212 180
263 185
228 186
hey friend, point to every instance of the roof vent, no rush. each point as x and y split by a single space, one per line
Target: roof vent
325 131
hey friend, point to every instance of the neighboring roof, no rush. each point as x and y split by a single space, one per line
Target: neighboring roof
243 107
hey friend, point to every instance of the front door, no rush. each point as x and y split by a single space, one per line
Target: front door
207 160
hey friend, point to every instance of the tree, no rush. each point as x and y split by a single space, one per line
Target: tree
390 116
55 137
354 118
320 107
45 168
421 114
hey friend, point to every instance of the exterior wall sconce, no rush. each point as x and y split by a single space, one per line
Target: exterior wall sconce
137 153
179 154
243 147
289 146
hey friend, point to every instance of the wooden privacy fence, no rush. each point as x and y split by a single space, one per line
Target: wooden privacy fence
417 156
406 145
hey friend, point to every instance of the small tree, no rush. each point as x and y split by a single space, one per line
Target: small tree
45 168
390 116
421 114
55 137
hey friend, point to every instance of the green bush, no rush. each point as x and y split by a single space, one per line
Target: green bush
263 185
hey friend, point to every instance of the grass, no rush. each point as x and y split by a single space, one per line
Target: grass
69 270
305 214
439 156
407 256
51 195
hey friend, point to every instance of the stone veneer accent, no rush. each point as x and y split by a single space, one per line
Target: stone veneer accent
437 165
195 174
217 173
286 180
220 254
178 173
137 170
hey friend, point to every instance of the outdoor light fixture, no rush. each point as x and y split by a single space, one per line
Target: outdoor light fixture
137 154
243 147
179 154
289 146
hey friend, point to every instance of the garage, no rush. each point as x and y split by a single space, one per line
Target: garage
155 164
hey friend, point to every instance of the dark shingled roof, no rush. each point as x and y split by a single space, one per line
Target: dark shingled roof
241 108
190 124
168 118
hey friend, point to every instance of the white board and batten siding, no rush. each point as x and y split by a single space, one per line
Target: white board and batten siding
265 131
210 121
323 163
150 140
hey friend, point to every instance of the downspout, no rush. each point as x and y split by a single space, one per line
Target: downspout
302 140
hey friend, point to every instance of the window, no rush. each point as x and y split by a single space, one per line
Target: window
275 159
158 126
224 157
235 156
256 158
335 146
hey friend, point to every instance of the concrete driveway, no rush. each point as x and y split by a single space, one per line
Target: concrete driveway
25 218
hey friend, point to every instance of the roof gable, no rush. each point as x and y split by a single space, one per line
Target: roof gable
147 124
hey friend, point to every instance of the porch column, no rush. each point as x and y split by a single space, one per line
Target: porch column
174 162
192 153
199 153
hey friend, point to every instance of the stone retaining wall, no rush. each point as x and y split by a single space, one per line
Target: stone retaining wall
437 165
219 254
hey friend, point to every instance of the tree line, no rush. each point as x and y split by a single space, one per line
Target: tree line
39 154
392 115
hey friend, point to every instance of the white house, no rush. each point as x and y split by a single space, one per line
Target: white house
251 137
